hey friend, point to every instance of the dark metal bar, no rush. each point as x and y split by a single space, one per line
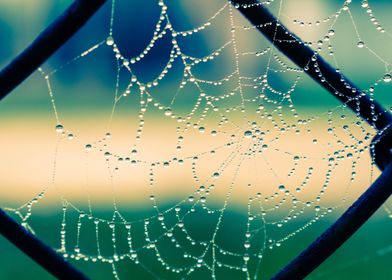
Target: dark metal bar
301 54
37 250
341 230
49 41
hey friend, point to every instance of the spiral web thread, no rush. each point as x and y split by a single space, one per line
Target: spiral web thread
251 117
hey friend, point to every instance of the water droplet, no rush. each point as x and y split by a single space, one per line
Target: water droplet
168 112
109 41
216 175
387 78
59 128
281 188
360 44
248 134
88 147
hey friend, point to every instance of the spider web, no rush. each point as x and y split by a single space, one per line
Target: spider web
225 160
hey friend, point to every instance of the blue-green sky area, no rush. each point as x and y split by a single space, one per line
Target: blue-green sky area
70 164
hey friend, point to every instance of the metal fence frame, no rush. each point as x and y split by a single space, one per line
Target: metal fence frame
80 11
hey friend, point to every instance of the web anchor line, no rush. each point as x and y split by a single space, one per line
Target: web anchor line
371 111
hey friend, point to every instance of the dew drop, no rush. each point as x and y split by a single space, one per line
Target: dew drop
248 134
168 112
387 78
360 44
59 128
109 41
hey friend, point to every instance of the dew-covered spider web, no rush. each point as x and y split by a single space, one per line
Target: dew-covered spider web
185 146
